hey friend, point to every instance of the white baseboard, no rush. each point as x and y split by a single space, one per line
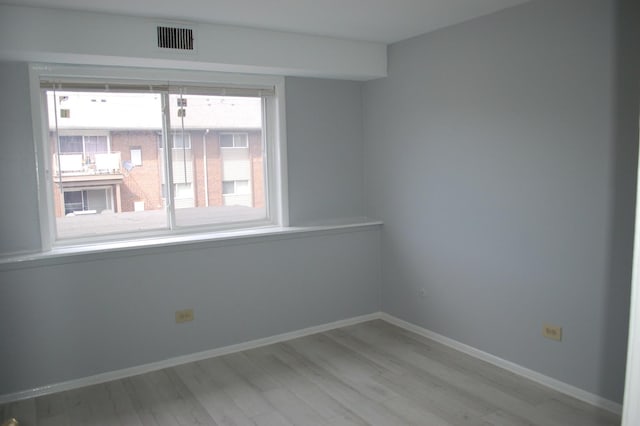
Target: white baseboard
550 382
171 362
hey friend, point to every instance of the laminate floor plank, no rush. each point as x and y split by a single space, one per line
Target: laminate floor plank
413 412
567 414
500 418
162 399
285 402
363 406
220 406
372 373
437 398
293 408
51 410
352 368
322 402
272 418
511 382
244 394
105 405
422 364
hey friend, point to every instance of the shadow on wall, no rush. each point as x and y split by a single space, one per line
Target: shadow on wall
625 136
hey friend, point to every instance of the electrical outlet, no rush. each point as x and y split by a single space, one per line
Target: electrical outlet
552 332
184 316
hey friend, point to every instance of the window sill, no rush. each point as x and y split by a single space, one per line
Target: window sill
89 252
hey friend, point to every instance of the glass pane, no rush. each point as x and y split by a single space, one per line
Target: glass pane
181 140
242 187
73 201
213 124
240 140
226 140
95 145
71 144
136 156
183 190
228 187
96 191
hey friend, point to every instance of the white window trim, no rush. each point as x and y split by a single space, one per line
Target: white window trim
131 150
235 187
108 192
176 197
275 153
84 134
234 140
183 134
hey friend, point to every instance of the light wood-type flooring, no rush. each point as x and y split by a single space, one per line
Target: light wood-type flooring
371 373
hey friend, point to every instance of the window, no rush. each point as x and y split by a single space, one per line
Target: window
232 187
181 141
234 140
183 190
86 145
79 153
236 192
86 201
136 155
192 187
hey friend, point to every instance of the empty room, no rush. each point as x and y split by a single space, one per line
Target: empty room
319 213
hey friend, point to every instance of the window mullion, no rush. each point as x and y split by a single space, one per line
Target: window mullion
266 155
168 161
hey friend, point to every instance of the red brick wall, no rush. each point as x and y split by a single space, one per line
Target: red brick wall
214 168
142 183
257 169
57 193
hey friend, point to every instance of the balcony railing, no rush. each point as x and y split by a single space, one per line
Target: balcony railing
79 164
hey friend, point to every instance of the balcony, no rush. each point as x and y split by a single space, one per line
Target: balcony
78 169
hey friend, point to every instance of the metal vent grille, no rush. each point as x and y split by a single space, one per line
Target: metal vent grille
175 38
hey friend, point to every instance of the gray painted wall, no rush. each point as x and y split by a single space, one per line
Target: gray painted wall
73 320
19 223
324 153
494 158
70 320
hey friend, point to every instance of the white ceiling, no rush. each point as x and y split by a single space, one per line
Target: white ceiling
384 21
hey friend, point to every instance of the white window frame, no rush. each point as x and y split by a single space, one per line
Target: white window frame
234 134
84 134
108 193
274 126
175 190
183 134
138 161
235 187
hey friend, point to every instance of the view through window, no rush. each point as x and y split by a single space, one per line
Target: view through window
112 175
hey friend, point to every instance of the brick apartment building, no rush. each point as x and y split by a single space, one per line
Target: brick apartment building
104 161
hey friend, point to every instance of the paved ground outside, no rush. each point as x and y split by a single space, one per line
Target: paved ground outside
87 225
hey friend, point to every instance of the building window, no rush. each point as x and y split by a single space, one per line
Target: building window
234 140
176 189
181 141
86 201
85 145
136 155
183 190
75 201
235 187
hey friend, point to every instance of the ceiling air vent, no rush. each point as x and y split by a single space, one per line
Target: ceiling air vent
175 38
